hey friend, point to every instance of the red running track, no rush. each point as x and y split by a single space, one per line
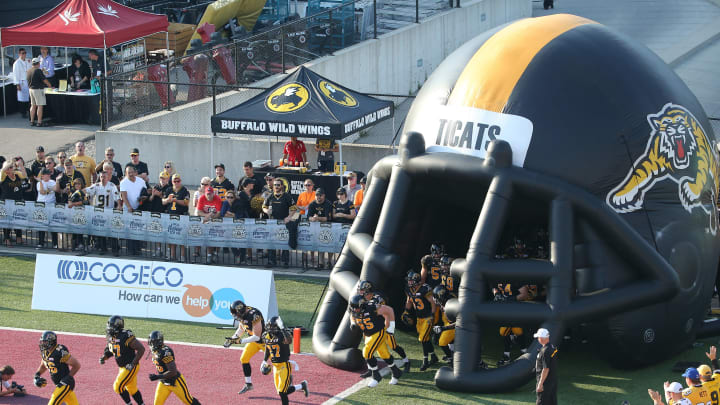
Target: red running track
214 374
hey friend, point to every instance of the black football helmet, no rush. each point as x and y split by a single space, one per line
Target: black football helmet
436 250
357 304
445 264
115 325
156 340
364 287
413 279
440 295
621 168
237 309
274 325
48 340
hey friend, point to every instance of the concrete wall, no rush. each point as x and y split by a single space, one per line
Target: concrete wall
192 158
398 62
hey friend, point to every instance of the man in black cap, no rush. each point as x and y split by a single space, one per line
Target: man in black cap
220 183
39 163
38 82
141 168
320 210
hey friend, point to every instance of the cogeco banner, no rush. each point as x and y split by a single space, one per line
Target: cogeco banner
148 289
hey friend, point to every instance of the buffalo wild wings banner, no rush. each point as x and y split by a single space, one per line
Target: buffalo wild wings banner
174 229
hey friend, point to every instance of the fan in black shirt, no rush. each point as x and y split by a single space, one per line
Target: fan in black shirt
11 183
258 179
221 184
343 209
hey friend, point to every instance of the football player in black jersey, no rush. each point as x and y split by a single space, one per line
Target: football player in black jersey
511 334
366 289
445 331
450 282
277 341
128 351
168 377
251 323
419 297
62 367
375 321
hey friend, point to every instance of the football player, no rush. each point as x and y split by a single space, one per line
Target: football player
430 271
366 289
711 382
128 351
62 366
251 322
446 331
695 392
419 297
168 377
512 335
375 322
450 282
277 341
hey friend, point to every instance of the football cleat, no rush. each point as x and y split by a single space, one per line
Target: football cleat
304 388
424 366
406 367
366 374
373 383
393 381
246 388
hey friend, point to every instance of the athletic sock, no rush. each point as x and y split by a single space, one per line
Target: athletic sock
248 380
297 387
138 398
447 351
126 397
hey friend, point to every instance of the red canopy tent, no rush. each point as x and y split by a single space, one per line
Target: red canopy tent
85 24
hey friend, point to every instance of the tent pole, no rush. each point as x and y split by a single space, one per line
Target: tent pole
341 162
212 149
270 151
391 146
2 60
167 48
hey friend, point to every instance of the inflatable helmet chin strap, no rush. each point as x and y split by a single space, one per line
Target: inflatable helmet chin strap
374 252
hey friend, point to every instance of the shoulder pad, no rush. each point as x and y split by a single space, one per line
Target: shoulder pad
687 391
425 289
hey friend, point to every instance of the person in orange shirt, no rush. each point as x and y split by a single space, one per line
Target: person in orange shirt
306 197
359 195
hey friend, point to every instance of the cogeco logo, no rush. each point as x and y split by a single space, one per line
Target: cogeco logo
112 273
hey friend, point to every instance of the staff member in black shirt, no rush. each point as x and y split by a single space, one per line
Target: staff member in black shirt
13 184
79 73
279 206
38 82
546 370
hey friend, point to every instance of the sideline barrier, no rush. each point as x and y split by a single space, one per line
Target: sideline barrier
175 229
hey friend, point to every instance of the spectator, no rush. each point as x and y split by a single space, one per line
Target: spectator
359 195
38 83
278 206
77 199
29 193
46 189
673 395
47 64
84 164
256 177
169 167
237 207
695 391
141 168
306 197
546 370
117 171
220 183
12 182
154 203
210 205
39 163
79 73
294 153
710 380
104 194
352 187
50 164
343 208
7 387
268 188
61 161
65 181
320 210
176 200
204 183
131 188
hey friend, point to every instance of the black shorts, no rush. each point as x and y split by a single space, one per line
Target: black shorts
547 397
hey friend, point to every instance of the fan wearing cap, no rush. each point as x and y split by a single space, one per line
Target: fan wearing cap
176 200
141 168
546 370
673 395
39 163
351 187
209 207
695 392
220 183
320 210
359 195
280 205
710 381
38 82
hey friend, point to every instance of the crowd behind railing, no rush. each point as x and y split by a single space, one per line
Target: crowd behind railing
78 180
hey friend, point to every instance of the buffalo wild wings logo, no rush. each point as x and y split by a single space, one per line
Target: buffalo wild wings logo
288 98
68 16
108 10
679 150
337 94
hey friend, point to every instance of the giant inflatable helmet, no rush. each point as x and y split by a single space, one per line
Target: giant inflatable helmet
556 122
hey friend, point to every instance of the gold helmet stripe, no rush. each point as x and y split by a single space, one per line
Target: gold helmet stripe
490 76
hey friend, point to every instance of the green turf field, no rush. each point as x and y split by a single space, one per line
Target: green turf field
585 378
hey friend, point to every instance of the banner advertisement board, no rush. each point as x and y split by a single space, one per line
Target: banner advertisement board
148 289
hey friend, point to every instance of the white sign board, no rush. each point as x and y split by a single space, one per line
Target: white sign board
148 289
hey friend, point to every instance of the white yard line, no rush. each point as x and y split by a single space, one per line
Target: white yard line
354 388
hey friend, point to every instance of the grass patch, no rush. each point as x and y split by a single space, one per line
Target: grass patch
585 377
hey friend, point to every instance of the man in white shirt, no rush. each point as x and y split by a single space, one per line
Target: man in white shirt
19 75
130 189
46 189
104 194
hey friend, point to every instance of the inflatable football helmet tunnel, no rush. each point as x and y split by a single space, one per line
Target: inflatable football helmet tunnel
558 123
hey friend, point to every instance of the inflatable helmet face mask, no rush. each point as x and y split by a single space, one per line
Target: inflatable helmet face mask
575 129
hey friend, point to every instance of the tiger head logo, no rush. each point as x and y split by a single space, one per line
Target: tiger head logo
679 150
